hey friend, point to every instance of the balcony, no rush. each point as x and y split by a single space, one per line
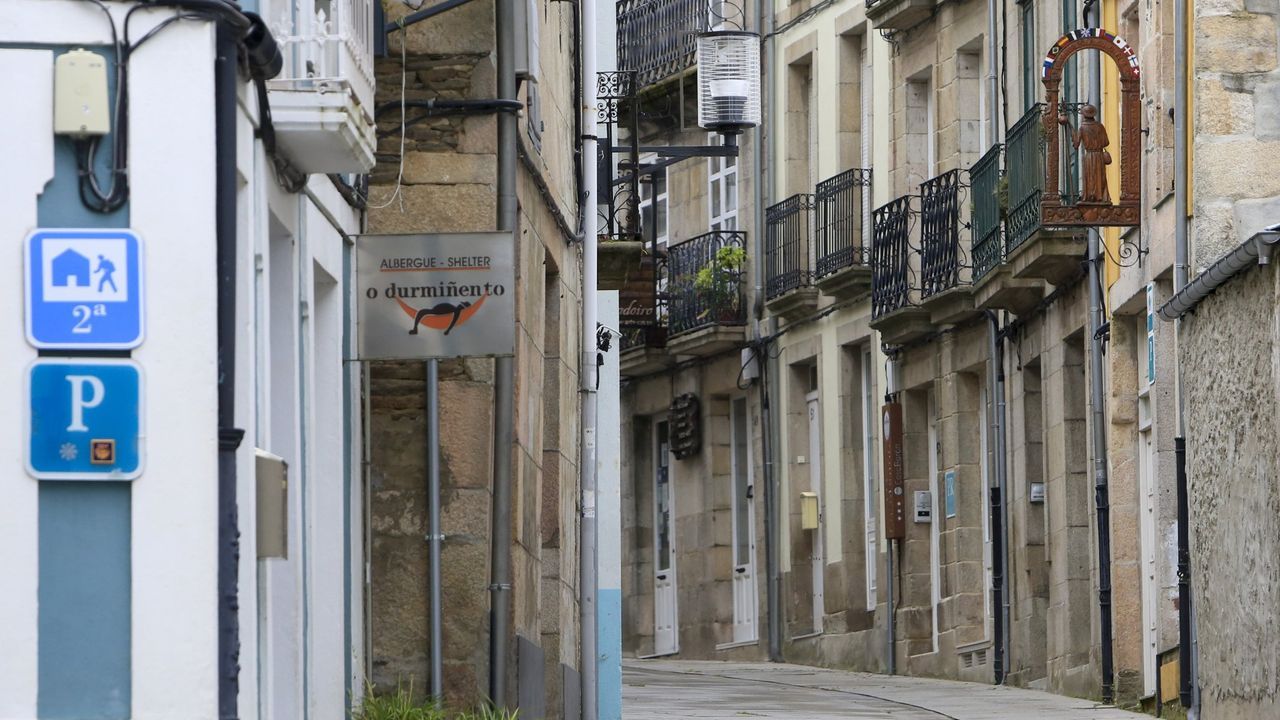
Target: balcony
898 14
843 263
894 311
789 290
1033 251
993 288
322 101
706 303
657 39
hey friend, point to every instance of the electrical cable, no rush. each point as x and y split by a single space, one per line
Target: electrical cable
396 193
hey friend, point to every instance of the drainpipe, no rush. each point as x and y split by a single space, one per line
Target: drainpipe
504 372
993 88
1189 692
226 78
999 505
436 533
769 441
1098 397
589 369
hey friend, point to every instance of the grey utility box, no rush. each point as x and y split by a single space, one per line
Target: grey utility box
273 505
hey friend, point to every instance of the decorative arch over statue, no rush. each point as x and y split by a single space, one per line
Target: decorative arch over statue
1095 207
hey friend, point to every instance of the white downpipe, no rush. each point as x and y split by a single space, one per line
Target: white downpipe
588 371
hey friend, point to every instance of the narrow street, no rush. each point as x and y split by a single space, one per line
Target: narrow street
671 689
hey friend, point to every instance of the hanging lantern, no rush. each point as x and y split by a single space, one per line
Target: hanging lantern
728 81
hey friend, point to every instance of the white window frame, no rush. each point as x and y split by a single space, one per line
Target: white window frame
648 199
719 170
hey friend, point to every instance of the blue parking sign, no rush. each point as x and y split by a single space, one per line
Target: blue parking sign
84 419
84 289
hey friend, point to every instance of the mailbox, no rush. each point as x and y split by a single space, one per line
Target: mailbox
809 511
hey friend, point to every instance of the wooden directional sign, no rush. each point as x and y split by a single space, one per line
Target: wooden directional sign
895 496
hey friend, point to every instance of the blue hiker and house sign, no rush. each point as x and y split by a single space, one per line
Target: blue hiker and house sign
84 289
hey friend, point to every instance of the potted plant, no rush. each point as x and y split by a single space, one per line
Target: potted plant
716 285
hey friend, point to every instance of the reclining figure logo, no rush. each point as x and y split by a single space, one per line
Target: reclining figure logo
440 309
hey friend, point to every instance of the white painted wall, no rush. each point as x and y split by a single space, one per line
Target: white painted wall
174 545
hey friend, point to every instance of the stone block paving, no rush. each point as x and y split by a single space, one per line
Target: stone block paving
655 689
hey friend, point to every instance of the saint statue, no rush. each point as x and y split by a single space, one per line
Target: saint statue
1093 136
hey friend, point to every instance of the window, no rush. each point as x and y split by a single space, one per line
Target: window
653 203
722 190
1029 54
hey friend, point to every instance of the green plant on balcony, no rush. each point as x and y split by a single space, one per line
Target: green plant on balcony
716 284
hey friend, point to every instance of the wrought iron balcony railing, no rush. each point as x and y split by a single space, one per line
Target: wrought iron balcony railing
941 257
984 181
891 257
841 205
658 38
788 246
704 284
1024 163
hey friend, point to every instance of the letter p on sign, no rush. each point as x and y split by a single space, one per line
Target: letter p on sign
79 401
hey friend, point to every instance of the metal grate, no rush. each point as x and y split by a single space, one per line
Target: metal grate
940 254
984 180
658 38
1024 164
705 282
891 257
840 203
788 227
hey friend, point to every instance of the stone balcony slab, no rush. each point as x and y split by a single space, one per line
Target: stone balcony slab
1049 254
794 304
903 325
707 340
846 283
898 14
999 290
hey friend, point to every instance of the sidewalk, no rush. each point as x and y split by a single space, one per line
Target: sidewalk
655 689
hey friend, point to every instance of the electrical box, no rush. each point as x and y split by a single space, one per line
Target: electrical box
527 41
808 511
80 105
924 506
1037 492
750 367
273 505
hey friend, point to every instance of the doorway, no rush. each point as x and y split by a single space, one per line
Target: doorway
666 640
745 600
1147 527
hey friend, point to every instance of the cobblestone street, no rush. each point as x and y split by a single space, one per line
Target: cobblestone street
658 689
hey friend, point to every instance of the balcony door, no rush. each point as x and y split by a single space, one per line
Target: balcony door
745 600
666 640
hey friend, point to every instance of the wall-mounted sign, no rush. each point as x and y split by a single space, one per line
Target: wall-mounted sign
1089 136
949 492
1037 492
1151 333
84 289
435 296
686 426
84 419
895 501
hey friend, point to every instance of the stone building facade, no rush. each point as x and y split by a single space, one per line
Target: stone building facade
950 225
1227 351
445 181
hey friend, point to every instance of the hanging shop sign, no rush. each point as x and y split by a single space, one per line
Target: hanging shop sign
1087 136
435 296
638 305
895 500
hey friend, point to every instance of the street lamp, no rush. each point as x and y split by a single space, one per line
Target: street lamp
728 82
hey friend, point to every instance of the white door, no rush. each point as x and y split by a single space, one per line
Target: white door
666 639
745 601
869 507
1147 526
815 485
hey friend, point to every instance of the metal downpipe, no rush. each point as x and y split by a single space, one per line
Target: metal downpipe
588 372
1097 401
226 77
504 372
999 504
769 441
1189 694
